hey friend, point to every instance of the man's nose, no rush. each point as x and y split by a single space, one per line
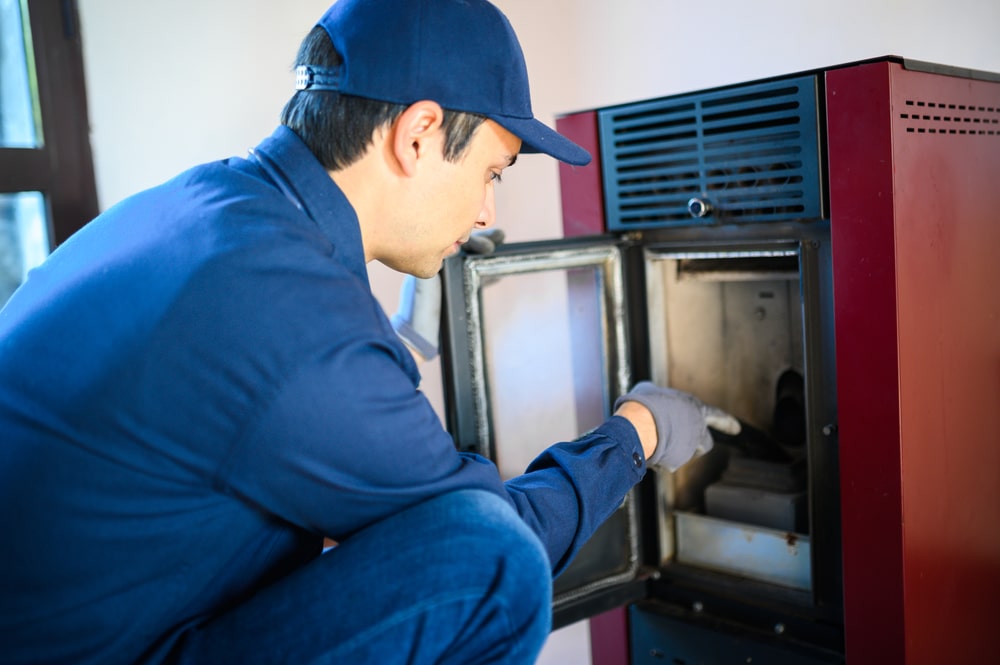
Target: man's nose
488 213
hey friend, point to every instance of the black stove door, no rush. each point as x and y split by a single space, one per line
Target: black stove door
535 350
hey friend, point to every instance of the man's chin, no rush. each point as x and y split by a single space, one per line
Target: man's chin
426 272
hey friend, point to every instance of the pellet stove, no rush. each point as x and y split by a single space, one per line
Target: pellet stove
816 254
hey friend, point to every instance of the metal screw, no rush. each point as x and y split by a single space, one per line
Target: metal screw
779 628
829 430
699 207
697 606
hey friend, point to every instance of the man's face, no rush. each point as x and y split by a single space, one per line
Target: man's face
453 199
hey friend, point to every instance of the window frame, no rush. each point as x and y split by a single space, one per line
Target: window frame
62 168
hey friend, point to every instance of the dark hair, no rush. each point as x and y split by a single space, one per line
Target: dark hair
339 128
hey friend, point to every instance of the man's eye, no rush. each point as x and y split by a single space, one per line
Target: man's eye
496 177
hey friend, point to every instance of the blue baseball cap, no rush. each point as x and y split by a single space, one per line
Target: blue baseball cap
462 54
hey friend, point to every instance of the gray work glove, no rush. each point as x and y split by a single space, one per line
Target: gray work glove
682 422
483 242
417 321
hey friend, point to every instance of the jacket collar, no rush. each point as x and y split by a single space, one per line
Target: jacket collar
304 181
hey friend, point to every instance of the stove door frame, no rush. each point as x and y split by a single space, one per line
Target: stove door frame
597 580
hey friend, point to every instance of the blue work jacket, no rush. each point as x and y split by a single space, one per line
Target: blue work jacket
197 387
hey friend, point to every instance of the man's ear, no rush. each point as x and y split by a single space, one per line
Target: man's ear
416 131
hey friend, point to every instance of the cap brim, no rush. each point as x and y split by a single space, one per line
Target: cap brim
536 136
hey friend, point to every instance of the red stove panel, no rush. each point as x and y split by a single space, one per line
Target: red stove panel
913 167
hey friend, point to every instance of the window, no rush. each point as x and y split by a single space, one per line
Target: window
47 188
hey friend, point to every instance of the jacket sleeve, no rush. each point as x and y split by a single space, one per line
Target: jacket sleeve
569 490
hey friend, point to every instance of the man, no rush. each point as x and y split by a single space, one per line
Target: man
198 388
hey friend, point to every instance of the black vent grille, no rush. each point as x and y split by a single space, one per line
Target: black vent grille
747 154
937 117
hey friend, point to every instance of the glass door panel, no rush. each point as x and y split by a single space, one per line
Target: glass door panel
543 371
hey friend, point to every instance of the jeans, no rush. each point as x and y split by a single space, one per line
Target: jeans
458 579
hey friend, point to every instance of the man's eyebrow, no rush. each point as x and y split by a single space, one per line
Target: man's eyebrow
511 160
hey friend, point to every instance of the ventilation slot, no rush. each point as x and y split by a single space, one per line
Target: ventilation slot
923 117
751 153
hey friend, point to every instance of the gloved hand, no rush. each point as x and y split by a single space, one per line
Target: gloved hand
417 321
483 242
682 422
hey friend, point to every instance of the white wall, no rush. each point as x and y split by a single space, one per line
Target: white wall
174 84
